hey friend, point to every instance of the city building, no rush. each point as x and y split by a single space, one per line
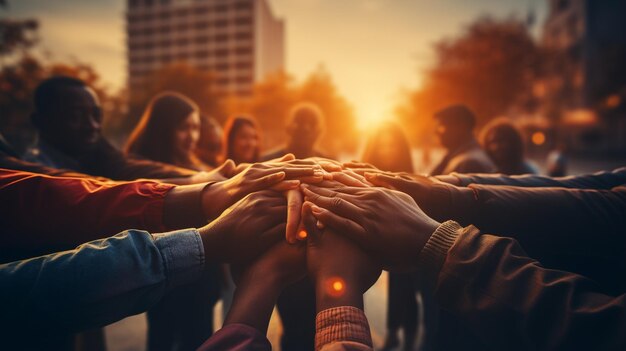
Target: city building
240 40
586 84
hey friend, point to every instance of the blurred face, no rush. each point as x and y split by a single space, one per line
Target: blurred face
211 147
498 147
303 131
75 123
245 144
450 136
186 135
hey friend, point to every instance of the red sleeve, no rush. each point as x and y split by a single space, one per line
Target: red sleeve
40 213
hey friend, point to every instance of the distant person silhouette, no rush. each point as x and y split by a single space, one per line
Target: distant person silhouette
68 118
504 144
455 129
209 146
305 124
168 132
388 149
242 139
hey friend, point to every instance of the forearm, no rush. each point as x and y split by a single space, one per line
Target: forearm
511 302
35 210
254 302
99 282
601 180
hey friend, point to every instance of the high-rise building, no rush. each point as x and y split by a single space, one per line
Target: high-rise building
240 40
588 77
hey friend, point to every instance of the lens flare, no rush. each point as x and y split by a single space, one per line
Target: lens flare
302 234
335 286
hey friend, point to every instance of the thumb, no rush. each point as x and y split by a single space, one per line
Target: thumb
310 223
227 168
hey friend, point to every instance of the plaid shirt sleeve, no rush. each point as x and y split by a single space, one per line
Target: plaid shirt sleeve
342 328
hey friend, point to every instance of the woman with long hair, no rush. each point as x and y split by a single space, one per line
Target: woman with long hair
388 149
242 139
168 132
504 144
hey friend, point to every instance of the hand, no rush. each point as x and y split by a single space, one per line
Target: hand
259 176
260 282
218 174
246 229
340 269
417 186
387 223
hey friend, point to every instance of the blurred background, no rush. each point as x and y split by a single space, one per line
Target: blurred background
555 68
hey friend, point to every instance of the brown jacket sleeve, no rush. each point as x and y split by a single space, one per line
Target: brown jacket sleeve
513 303
576 230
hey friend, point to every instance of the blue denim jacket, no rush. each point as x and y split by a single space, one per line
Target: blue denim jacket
99 282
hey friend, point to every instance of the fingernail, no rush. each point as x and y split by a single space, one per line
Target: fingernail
369 175
315 209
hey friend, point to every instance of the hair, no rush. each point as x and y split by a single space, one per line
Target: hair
154 134
403 161
306 108
232 126
457 115
509 132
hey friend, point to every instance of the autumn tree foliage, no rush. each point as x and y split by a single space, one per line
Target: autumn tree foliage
273 97
490 67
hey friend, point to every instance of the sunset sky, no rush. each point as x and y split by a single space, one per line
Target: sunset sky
372 48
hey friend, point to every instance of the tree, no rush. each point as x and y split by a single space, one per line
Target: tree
490 68
273 97
196 84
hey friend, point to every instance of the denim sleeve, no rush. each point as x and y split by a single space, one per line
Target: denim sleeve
99 282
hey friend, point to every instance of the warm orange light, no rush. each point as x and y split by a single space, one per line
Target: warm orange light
538 138
613 101
302 234
335 286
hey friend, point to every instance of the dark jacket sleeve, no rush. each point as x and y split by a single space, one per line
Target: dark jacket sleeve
11 162
573 229
41 214
513 303
601 180
107 161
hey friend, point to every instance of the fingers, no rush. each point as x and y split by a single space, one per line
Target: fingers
357 164
384 180
310 222
286 185
348 179
345 226
267 181
336 203
294 208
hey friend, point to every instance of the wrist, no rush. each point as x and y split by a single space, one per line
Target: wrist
215 200
254 301
335 291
